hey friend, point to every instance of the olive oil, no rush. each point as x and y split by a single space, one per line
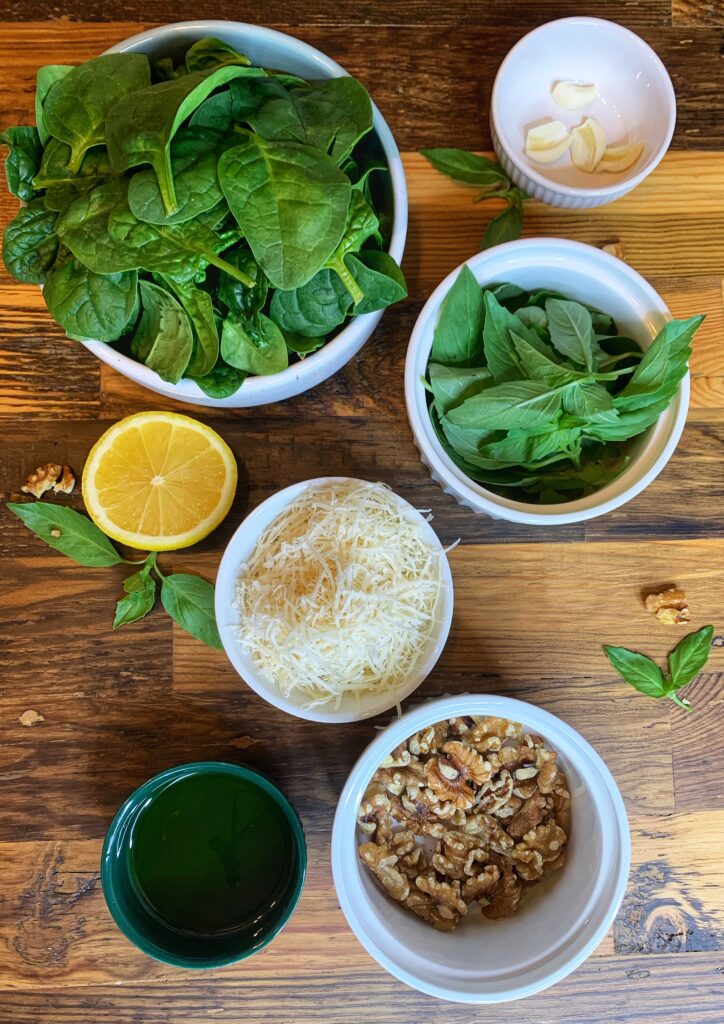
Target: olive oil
212 854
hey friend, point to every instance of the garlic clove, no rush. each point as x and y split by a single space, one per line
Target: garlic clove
588 144
547 142
573 95
620 158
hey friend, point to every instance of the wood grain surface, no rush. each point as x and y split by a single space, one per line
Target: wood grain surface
532 605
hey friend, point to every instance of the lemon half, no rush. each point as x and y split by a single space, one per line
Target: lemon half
159 481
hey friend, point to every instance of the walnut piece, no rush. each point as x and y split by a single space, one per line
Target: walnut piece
50 477
669 607
473 810
382 863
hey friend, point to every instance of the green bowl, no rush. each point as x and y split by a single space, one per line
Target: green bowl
203 864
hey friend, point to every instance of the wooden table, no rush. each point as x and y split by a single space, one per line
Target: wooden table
532 605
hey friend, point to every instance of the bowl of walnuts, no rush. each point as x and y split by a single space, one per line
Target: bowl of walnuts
480 849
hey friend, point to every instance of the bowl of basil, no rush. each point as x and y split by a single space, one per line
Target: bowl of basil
216 210
546 382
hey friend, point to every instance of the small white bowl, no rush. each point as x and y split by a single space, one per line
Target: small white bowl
240 549
591 276
560 923
636 104
277 50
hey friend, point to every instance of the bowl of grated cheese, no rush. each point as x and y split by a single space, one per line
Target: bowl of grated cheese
334 599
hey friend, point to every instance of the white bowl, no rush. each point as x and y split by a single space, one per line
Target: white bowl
560 923
267 48
241 547
636 104
589 275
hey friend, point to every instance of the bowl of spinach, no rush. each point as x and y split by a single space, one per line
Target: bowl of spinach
216 210
546 382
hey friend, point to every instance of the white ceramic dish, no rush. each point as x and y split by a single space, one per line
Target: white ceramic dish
240 548
266 48
636 104
554 930
589 275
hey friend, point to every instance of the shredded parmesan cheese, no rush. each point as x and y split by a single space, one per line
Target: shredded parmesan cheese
339 598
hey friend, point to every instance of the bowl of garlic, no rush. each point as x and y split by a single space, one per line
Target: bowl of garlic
582 111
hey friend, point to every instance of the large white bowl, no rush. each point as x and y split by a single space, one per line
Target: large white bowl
591 276
240 549
277 50
560 923
636 104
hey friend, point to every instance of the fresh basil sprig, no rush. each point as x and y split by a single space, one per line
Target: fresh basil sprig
473 169
686 660
189 600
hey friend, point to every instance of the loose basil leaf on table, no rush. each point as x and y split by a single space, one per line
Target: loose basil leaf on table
189 600
140 597
67 531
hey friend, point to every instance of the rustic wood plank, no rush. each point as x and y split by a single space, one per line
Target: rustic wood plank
443 75
370 14
697 12
698 766
55 919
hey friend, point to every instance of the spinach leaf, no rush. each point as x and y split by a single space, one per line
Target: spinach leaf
331 115
63 186
164 338
458 335
200 311
571 330
302 346
291 203
139 128
467 167
76 109
254 344
240 299
46 79
516 404
451 385
30 243
193 167
314 309
222 381
189 601
88 305
215 114
361 223
67 531
210 53
21 163
379 278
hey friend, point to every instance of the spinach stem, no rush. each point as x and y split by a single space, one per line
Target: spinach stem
345 275
232 271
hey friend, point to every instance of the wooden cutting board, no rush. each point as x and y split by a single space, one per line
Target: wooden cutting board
532 605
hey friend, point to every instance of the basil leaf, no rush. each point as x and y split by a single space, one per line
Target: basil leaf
571 330
641 672
500 353
504 227
690 656
189 600
451 385
586 398
458 336
662 367
140 597
517 404
521 448
67 531
467 167
537 365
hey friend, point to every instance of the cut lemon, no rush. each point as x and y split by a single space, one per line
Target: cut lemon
159 481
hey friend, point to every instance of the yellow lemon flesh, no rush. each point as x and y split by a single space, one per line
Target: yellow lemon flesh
159 481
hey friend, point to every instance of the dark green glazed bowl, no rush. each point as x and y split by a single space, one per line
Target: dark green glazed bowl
167 936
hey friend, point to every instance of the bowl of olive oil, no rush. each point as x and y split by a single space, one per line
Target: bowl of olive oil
203 864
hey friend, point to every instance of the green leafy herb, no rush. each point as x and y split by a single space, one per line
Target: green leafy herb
189 600
527 397
165 198
473 169
686 660
67 531
140 588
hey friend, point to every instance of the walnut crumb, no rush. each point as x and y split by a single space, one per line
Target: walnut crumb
51 476
669 607
31 717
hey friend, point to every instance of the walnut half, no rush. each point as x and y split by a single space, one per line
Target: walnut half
51 476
